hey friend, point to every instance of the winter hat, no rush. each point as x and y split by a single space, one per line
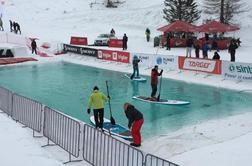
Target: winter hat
96 88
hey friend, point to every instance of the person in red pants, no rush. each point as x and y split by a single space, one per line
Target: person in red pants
136 121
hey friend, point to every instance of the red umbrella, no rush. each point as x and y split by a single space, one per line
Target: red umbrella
178 26
215 26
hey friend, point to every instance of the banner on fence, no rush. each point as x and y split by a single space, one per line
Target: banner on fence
118 56
202 65
78 40
237 71
116 43
168 62
80 50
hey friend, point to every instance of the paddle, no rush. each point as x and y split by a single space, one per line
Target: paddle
158 98
112 120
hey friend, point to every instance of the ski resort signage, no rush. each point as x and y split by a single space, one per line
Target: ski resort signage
237 71
78 40
145 59
118 56
201 65
168 62
80 50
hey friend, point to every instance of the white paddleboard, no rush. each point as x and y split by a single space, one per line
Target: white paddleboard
161 101
117 130
135 78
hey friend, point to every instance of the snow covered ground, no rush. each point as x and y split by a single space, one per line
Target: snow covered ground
222 142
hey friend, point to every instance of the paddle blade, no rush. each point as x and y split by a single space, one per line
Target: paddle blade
112 120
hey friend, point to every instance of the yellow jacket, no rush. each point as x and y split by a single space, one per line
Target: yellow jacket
96 100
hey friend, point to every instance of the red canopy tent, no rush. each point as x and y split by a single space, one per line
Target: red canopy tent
215 26
178 26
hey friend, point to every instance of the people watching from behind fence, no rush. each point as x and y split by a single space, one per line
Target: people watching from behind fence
216 56
189 45
231 49
205 49
197 48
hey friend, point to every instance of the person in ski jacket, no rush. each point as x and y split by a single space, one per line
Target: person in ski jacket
11 26
125 40
135 122
1 24
189 45
168 41
231 49
96 100
147 33
197 49
34 46
154 80
216 56
135 67
205 49
112 32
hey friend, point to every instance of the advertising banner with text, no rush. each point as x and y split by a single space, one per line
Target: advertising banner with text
166 62
237 71
80 50
201 65
118 43
118 56
78 40
145 59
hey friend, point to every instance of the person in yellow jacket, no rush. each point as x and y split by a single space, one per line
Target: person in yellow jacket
96 100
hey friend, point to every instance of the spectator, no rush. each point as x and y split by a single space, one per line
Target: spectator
1 24
34 46
168 41
147 33
231 49
125 40
216 56
189 44
215 46
197 49
112 32
14 27
11 26
136 121
205 49
18 28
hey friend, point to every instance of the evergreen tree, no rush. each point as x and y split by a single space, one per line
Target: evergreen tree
225 10
185 10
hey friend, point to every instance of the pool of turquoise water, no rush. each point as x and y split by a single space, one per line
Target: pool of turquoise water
66 87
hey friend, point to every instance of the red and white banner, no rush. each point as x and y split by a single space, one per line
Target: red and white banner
118 56
116 43
78 40
202 65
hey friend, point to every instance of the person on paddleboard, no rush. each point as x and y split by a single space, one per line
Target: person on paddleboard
96 100
136 121
154 81
135 67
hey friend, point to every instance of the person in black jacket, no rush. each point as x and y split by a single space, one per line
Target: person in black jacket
216 56
231 49
34 46
136 121
125 40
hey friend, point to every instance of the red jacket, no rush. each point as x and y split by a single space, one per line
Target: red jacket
154 76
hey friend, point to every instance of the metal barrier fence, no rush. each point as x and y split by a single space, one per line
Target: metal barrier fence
6 101
151 160
28 112
100 149
63 131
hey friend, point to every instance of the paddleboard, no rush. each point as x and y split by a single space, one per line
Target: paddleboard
161 101
136 78
117 130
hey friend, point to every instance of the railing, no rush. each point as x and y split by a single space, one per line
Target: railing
151 160
28 112
100 149
63 131
6 101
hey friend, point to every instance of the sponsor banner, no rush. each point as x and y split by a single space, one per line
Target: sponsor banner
80 50
116 43
145 59
202 65
110 55
78 40
237 71
167 62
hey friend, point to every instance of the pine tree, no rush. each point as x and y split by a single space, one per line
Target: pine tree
185 10
225 10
